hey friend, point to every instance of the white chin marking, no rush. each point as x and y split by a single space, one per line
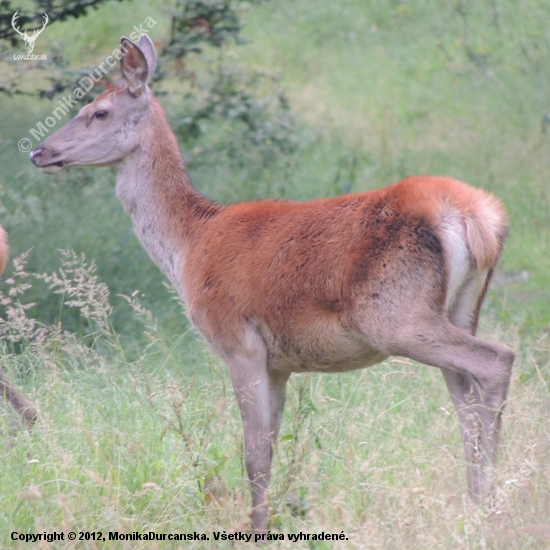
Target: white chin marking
51 169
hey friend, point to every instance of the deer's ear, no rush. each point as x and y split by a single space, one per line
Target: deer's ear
147 47
134 67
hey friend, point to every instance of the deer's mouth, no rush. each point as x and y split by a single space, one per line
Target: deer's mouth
40 159
53 167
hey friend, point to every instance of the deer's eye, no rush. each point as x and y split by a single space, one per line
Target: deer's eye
101 114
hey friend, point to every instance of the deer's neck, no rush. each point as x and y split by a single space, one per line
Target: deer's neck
154 188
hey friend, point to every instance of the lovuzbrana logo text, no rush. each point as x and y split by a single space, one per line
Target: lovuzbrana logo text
29 40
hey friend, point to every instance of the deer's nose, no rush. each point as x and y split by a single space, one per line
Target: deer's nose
36 154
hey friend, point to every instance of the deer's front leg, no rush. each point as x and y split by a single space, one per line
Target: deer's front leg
260 397
253 403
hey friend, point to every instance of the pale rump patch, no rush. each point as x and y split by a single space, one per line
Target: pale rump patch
457 254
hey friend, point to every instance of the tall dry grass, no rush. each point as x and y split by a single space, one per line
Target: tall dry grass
156 443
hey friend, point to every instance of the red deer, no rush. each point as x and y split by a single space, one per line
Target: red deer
25 410
277 287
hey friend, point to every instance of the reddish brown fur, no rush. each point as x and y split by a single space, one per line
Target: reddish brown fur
109 93
4 250
272 249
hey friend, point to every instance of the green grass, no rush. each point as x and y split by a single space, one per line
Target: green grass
391 84
156 445
143 433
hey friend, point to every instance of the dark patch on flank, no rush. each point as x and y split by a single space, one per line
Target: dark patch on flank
330 304
428 239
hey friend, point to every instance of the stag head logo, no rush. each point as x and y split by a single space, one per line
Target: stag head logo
29 40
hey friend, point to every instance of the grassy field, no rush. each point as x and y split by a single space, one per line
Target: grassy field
138 426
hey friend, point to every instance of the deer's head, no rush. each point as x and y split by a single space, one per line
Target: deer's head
108 129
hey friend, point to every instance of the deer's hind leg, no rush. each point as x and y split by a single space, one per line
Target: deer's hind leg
477 374
479 422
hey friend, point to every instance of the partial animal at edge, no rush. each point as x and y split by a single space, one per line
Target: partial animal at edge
25 411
